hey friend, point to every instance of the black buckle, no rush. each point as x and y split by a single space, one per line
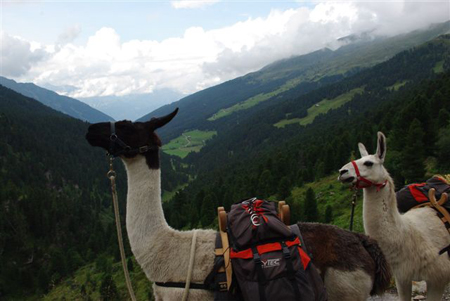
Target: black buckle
286 252
257 258
143 149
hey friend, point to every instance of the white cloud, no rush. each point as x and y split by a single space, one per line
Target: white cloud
106 65
69 35
18 55
192 3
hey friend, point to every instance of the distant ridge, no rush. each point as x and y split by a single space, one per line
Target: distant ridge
131 106
64 104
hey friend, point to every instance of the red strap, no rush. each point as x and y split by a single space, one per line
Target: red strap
416 193
304 257
355 166
360 179
266 248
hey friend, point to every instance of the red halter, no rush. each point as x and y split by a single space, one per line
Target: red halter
360 179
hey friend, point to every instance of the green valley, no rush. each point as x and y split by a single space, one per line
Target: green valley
188 142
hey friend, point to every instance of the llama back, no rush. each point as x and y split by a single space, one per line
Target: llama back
334 248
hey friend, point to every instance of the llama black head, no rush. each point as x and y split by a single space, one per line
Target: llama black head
128 139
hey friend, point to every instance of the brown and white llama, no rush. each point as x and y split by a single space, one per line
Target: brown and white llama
352 265
411 241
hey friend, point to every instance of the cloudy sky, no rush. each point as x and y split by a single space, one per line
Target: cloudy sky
105 48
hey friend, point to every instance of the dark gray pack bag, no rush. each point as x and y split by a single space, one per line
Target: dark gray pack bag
267 257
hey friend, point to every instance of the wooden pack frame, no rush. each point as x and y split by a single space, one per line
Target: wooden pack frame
438 206
283 212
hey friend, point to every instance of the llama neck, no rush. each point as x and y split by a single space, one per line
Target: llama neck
382 220
145 218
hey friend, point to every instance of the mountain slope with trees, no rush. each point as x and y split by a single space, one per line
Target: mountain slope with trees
55 204
283 80
257 158
55 212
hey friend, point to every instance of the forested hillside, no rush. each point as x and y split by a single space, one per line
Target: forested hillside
55 207
406 97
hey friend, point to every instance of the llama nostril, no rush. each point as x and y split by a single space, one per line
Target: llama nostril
343 171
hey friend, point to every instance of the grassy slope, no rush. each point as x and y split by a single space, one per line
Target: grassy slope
361 57
253 101
397 85
321 108
168 195
330 192
439 68
191 141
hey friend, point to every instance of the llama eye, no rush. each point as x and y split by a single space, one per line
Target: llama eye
368 163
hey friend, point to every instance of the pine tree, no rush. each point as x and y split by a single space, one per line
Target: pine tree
328 214
130 264
265 184
443 146
320 170
284 189
443 118
310 212
208 211
413 155
329 159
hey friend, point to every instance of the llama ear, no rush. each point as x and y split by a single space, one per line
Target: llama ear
157 122
362 150
381 146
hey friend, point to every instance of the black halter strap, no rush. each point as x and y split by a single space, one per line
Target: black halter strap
117 147
197 286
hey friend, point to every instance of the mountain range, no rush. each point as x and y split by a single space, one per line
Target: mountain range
64 104
132 106
227 103
301 139
274 134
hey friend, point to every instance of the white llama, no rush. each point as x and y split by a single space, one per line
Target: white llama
411 241
163 253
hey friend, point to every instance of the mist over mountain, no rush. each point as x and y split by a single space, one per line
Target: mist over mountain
64 89
223 105
64 104
132 106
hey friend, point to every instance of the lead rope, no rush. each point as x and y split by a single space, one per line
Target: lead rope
112 177
355 196
191 266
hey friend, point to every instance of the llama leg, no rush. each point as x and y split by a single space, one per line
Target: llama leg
404 288
435 291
